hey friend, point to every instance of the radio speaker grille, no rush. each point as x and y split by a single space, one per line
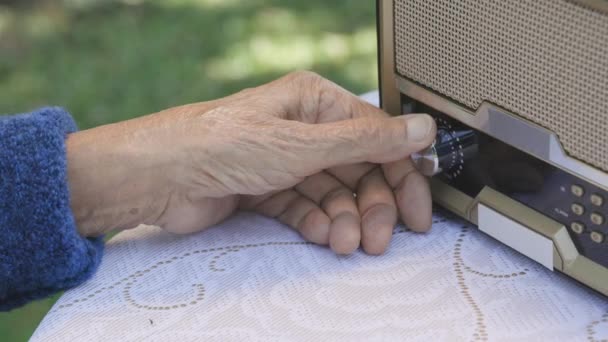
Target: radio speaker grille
544 60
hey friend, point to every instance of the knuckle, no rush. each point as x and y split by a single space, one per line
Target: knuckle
380 211
308 80
305 86
335 194
305 76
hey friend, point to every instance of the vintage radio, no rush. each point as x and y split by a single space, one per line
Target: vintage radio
519 90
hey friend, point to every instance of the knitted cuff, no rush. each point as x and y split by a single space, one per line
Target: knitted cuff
41 251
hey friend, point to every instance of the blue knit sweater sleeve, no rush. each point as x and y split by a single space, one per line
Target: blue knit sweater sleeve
41 252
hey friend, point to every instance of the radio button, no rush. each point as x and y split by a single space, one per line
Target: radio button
597 237
577 190
577 209
597 200
597 219
577 227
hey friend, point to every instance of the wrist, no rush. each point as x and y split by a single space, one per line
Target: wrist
114 183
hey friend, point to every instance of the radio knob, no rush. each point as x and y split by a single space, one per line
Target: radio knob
452 147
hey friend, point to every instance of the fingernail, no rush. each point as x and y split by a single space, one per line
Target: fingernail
418 127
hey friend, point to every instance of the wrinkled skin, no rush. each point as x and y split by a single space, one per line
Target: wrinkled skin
295 149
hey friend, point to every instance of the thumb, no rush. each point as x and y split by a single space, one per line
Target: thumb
369 139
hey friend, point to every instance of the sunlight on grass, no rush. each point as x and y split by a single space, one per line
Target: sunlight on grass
203 3
41 24
275 52
6 17
90 3
35 24
364 41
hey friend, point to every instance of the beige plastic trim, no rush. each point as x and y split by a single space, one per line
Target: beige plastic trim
451 199
517 236
390 97
565 255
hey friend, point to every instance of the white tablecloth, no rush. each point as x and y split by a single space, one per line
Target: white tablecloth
253 279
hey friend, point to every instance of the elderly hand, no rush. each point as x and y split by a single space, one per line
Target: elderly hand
296 149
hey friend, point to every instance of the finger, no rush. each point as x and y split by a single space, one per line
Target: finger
377 140
378 212
395 172
249 202
412 193
271 206
339 204
351 174
345 233
298 212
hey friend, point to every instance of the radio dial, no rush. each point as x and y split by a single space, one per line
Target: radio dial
453 146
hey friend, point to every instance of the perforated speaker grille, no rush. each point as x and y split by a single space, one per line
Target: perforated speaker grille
545 60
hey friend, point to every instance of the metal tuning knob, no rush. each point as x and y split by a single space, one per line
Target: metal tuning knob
453 145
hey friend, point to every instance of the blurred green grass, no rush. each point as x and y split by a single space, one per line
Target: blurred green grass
107 61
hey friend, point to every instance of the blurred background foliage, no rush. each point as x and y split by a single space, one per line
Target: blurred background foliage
110 60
